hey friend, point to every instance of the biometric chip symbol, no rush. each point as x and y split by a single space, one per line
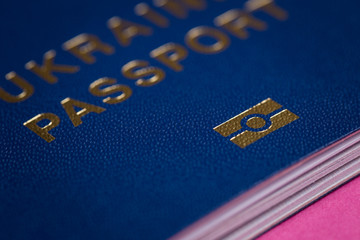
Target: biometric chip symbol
256 119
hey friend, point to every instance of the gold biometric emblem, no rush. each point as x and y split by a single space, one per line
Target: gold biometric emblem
256 123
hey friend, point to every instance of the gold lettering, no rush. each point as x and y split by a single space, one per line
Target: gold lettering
180 8
46 70
143 10
138 69
83 45
193 36
124 31
236 21
43 132
27 89
75 117
96 90
267 6
170 54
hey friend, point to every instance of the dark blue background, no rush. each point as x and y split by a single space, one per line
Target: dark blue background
148 167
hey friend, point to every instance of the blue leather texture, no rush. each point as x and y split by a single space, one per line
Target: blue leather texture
148 167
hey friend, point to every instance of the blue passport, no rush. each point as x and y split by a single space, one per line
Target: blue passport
134 120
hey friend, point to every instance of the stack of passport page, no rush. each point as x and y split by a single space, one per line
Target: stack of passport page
180 119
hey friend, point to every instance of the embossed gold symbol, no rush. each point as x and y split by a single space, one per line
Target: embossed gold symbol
256 123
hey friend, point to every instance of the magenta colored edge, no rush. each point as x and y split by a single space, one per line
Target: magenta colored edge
205 225
334 217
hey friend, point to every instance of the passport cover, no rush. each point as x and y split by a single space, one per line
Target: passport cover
151 164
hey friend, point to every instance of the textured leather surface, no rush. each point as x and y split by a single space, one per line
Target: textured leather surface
148 167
